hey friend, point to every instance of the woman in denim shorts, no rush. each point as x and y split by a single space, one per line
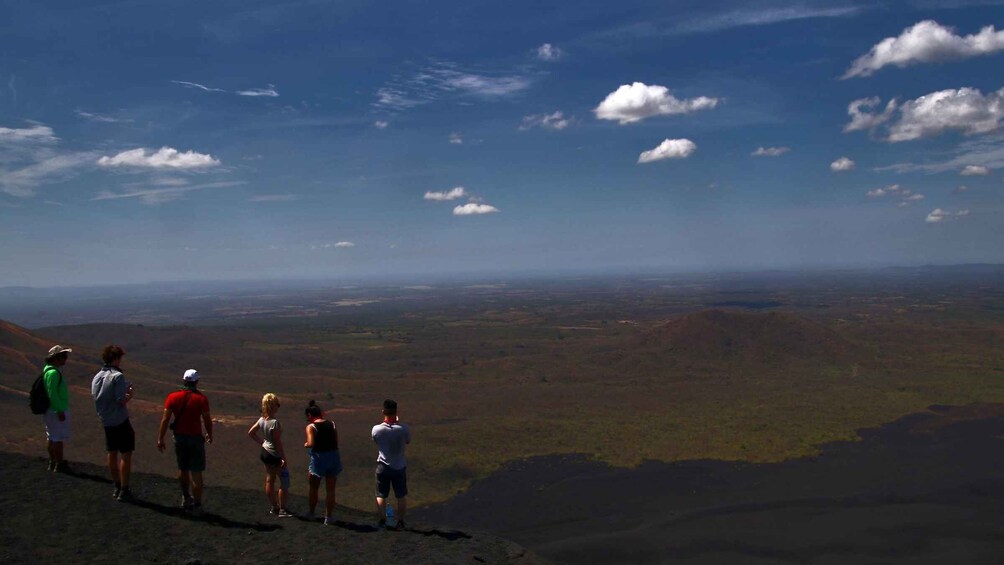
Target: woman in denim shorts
325 461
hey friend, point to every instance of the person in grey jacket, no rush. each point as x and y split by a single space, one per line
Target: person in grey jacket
111 394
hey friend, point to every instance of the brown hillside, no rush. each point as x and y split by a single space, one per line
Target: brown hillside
22 354
727 335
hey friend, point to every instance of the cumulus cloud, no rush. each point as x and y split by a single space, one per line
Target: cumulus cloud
456 138
770 151
862 116
548 52
452 194
974 171
474 209
380 124
635 102
669 149
905 196
163 158
938 215
344 244
926 42
36 133
556 121
842 164
965 109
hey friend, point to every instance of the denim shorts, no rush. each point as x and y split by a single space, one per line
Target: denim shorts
325 463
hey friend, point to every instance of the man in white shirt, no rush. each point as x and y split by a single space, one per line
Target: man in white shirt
391 438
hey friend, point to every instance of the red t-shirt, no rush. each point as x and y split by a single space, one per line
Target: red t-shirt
190 421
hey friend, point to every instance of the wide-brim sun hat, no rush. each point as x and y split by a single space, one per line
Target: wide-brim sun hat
56 350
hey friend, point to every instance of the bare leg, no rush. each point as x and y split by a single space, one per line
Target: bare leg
402 507
270 473
197 487
113 468
51 447
381 508
315 483
329 490
282 497
57 451
184 479
125 469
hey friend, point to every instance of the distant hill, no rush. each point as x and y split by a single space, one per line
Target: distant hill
22 354
728 335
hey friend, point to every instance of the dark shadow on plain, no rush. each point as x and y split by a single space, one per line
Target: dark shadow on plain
449 536
90 477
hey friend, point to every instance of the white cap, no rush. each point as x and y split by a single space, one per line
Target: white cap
191 375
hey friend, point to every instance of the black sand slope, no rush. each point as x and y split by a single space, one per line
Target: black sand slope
928 488
50 518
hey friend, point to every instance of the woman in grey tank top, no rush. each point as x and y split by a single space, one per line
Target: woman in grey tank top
272 454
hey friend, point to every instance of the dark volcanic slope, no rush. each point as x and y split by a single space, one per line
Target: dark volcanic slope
926 489
51 518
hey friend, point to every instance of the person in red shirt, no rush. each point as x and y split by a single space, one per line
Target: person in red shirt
190 409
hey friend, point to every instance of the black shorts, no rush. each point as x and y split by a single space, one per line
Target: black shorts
190 452
387 477
120 438
269 459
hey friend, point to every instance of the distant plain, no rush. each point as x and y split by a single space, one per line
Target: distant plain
758 367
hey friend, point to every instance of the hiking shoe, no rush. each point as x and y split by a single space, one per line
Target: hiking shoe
125 495
63 467
329 521
283 513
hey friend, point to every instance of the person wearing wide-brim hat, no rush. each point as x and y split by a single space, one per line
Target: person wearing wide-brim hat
57 417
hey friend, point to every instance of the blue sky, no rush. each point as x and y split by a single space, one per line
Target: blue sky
145 140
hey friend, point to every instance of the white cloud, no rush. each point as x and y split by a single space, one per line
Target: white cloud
960 189
344 244
274 198
770 151
442 79
473 208
100 118
163 158
842 164
37 133
556 121
915 197
986 151
380 124
862 118
905 196
964 109
456 138
269 92
548 52
46 168
153 196
669 149
926 42
452 194
938 215
974 171
635 102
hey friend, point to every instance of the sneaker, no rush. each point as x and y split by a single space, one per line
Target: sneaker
52 465
186 503
117 491
63 467
125 495
273 511
283 513
329 521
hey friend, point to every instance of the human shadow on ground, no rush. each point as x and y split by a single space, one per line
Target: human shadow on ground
206 517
